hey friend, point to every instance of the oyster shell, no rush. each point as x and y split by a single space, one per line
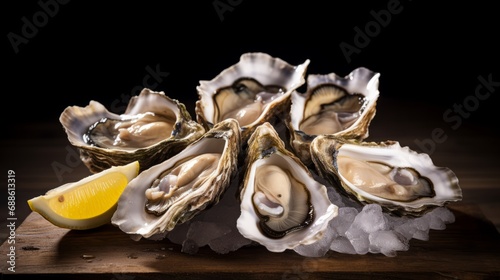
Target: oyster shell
342 106
174 191
152 128
402 181
282 206
253 91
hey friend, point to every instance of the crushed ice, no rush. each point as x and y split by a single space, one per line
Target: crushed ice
356 230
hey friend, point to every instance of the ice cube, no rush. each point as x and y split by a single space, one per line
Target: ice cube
340 224
422 225
189 246
230 242
387 242
204 232
407 229
371 219
342 245
439 217
318 248
178 234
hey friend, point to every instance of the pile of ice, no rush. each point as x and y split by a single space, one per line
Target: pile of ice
215 227
356 230
366 229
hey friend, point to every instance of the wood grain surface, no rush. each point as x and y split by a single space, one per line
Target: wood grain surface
466 249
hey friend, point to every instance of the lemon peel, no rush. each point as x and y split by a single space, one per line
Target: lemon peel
87 203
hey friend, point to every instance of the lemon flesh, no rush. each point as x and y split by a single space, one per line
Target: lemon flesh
88 203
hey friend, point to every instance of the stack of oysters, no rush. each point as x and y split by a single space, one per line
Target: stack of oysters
255 129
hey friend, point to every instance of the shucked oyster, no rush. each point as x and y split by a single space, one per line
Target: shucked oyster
153 128
253 91
399 179
282 206
177 189
342 106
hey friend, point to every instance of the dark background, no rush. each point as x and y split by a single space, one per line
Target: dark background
429 54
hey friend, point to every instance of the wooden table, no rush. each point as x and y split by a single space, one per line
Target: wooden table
467 249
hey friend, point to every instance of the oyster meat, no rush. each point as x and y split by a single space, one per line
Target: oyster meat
266 163
152 128
282 205
174 191
253 91
402 181
342 106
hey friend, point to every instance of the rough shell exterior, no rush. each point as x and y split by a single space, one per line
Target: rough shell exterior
360 81
326 148
77 120
265 69
265 147
131 216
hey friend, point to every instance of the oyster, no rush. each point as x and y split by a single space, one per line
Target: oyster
253 91
282 206
174 191
402 181
342 106
153 128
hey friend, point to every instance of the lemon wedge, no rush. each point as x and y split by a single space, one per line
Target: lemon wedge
87 203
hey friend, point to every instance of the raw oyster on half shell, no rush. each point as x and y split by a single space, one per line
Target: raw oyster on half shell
342 106
282 206
253 91
402 181
174 191
153 128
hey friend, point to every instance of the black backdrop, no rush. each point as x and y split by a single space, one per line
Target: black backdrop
66 53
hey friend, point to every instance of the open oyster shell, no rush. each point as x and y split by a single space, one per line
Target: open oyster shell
253 91
153 128
282 206
402 181
174 191
342 106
